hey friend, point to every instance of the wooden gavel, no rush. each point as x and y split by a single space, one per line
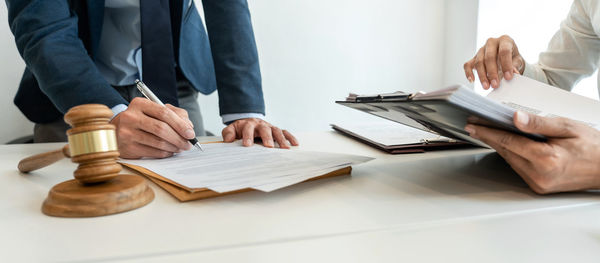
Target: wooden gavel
92 144
99 188
42 160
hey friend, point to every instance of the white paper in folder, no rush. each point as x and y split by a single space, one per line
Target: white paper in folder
225 167
532 96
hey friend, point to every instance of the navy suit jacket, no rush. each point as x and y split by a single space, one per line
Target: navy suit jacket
58 40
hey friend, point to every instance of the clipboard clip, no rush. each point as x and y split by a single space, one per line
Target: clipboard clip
437 140
416 94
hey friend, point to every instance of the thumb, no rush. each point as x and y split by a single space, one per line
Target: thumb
552 127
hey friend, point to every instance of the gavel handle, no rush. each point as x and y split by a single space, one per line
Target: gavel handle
41 160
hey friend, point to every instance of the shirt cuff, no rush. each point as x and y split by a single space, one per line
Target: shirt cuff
535 72
117 109
228 118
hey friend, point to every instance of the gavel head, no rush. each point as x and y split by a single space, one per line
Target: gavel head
93 143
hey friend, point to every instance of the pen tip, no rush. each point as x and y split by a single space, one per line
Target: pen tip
198 146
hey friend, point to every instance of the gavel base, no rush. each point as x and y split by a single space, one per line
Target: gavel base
73 199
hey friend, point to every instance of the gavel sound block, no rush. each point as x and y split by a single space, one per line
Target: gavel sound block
98 189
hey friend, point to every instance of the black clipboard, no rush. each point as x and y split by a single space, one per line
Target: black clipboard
444 112
420 146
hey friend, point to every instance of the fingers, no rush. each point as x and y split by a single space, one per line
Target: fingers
248 129
229 133
517 144
523 163
163 131
131 144
518 163
183 114
505 54
136 151
552 127
133 128
291 138
165 115
527 170
522 166
280 138
248 133
491 62
265 134
535 172
480 67
151 140
518 61
468 67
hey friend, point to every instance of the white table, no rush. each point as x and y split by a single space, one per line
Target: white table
460 205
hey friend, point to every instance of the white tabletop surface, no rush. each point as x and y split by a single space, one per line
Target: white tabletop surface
458 205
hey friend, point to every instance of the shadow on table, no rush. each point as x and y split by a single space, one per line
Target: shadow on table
462 175
458 176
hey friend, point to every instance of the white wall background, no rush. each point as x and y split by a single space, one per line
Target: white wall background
460 29
11 68
314 52
317 51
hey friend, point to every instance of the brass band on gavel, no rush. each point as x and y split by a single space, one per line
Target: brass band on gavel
93 143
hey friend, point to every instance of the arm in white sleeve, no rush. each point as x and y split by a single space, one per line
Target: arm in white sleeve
117 109
573 52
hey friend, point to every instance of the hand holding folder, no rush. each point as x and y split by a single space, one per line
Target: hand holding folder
446 112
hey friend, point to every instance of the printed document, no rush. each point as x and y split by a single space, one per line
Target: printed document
225 167
525 94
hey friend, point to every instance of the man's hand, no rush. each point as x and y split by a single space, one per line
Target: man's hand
147 129
248 129
568 161
499 56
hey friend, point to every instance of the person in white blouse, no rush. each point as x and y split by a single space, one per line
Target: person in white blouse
570 159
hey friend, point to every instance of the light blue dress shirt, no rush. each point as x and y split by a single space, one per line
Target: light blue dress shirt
120 51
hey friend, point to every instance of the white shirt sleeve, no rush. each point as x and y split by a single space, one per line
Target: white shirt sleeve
574 51
118 109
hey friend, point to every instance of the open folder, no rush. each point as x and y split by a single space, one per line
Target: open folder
227 168
446 112
183 193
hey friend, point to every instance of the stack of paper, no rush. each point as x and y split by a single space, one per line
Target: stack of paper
226 167
448 111
535 97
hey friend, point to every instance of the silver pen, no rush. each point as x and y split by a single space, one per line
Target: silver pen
150 95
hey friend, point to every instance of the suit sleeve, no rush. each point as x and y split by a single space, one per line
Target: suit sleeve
235 56
574 51
46 36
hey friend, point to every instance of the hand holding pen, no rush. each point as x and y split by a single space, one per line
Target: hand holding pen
147 129
150 95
